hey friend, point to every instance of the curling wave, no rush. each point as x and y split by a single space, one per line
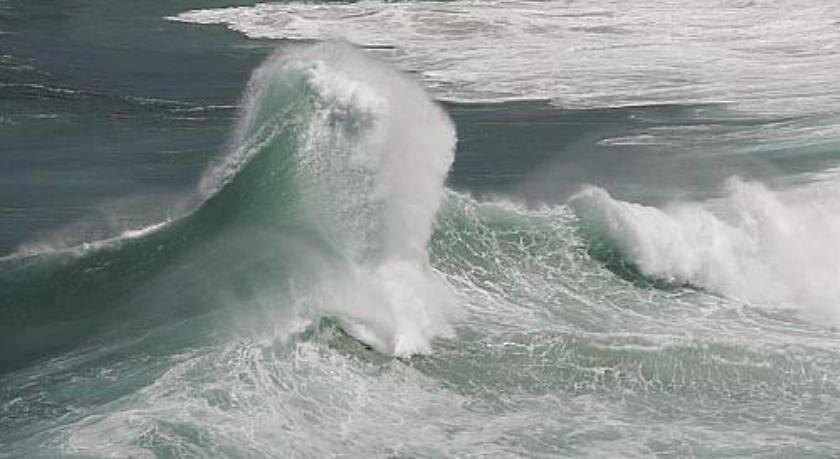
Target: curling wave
334 175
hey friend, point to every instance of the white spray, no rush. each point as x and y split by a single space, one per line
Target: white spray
774 248
370 162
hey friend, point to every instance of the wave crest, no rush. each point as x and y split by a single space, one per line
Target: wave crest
757 245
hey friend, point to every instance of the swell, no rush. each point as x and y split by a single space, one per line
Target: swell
324 205
330 184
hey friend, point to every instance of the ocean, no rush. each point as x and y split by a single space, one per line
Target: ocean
468 228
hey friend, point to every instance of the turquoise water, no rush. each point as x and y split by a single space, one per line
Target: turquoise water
241 243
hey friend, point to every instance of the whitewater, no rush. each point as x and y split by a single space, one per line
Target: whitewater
334 282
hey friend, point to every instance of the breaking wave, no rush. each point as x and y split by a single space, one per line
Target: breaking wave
262 322
776 248
337 167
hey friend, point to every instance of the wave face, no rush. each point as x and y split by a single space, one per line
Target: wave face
360 167
329 168
362 157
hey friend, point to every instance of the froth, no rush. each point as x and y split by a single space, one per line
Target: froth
775 56
758 245
369 156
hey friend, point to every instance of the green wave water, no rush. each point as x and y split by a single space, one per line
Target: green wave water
328 295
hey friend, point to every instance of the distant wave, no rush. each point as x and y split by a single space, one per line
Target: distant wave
773 57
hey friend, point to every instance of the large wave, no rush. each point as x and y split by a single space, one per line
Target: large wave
323 204
363 157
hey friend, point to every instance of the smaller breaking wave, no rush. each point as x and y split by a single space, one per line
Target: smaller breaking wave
757 245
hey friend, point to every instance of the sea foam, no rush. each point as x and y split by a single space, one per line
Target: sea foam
777 248
368 163
775 56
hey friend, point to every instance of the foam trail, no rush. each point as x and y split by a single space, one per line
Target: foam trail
774 248
775 56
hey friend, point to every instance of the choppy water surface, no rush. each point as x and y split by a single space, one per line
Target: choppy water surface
614 235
